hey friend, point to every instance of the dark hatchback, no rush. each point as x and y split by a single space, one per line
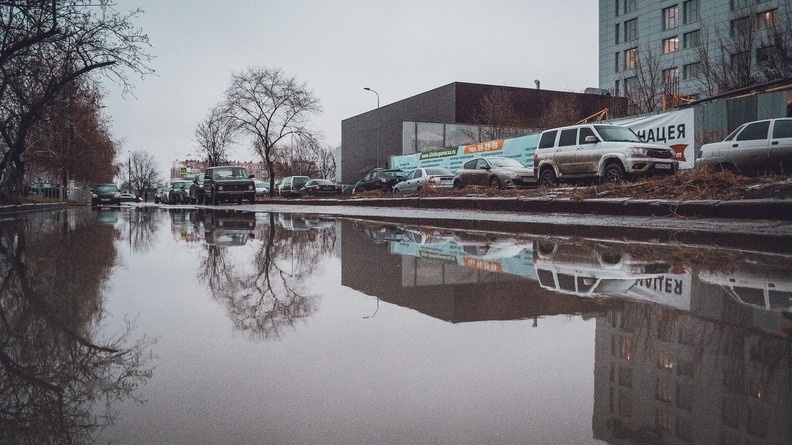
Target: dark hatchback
228 183
105 194
320 187
379 179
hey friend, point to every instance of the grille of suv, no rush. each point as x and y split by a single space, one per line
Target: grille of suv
662 154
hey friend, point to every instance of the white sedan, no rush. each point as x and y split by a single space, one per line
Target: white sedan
419 178
758 146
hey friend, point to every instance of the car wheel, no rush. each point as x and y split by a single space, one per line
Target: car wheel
458 184
547 177
495 182
614 172
418 189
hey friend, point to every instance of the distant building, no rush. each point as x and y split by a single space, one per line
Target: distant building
456 114
697 48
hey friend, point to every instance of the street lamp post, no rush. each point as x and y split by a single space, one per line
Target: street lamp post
378 124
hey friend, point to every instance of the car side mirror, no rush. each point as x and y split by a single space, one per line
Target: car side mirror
591 139
484 167
250 176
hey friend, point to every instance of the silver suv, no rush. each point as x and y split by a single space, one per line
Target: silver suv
607 152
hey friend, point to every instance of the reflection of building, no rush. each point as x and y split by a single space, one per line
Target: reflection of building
441 288
664 376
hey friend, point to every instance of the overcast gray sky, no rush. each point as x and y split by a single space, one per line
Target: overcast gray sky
398 48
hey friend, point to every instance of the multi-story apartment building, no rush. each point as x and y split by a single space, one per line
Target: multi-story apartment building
691 47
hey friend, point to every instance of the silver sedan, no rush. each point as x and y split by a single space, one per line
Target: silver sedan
420 178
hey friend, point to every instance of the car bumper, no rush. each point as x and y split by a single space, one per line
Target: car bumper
651 166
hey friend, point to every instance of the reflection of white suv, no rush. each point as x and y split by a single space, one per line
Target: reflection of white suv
602 151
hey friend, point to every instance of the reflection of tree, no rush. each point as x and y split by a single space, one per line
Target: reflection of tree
142 228
273 296
53 375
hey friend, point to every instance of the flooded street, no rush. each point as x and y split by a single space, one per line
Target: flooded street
142 325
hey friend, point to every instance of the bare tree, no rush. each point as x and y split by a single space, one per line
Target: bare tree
46 45
270 107
215 136
726 56
144 172
497 118
645 88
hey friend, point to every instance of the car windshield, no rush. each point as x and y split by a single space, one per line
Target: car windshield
323 182
612 133
300 181
438 171
393 174
505 162
179 185
229 173
106 188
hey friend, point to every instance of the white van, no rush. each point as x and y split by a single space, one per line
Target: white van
603 151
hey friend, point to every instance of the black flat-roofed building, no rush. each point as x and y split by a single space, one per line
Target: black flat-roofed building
447 115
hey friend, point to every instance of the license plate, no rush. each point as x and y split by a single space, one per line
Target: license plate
663 166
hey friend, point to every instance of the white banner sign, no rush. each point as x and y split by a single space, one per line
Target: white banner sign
674 128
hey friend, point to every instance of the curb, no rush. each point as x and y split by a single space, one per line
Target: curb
773 209
30 207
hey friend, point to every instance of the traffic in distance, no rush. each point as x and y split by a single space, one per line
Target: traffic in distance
572 154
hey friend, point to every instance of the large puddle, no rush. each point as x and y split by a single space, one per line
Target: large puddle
155 326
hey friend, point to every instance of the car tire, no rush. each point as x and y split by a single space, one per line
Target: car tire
458 184
418 189
614 172
547 177
494 182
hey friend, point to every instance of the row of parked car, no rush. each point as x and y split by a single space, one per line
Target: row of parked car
603 152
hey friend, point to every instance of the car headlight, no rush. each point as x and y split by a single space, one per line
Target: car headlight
636 151
512 174
117 195
250 187
94 195
220 187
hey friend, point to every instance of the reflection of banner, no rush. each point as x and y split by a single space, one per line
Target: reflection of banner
674 128
520 148
476 263
672 289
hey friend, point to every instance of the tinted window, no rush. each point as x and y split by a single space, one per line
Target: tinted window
734 133
568 137
754 131
782 128
548 139
300 181
545 277
470 164
585 132
438 171
482 164
418 174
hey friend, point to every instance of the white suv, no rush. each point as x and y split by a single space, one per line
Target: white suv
602 151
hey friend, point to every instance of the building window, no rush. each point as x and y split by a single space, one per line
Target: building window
767 19
691 39
616 90
618 31
741 26
671 80
631 30
630 85
671 17
740 61
691 71
663 390
629 6
616 65
617 7
690 11
737 4
630 58
670 44
770 59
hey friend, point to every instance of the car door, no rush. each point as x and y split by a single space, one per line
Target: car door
480 175
566 152
749 149
412 180
465 174
780 149
587 157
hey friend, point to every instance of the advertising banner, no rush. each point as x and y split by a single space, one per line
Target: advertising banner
673 128
520 148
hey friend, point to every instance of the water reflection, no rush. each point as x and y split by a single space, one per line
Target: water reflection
268 294
692 344
57 378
